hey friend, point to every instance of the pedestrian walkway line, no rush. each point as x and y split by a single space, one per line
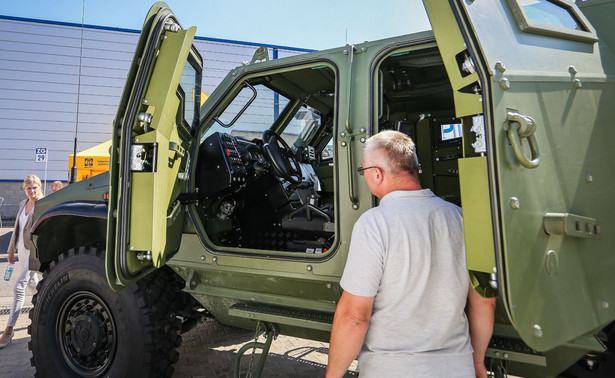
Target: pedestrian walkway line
7 311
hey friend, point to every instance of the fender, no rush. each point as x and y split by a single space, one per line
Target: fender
66 226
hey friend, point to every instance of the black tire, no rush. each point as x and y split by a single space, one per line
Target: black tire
80 327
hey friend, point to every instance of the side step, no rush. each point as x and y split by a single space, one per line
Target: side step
283 315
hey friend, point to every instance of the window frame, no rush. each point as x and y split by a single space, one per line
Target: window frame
527 25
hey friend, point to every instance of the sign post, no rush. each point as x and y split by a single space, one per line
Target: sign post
40 156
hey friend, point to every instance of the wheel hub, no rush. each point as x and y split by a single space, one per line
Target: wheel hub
86 331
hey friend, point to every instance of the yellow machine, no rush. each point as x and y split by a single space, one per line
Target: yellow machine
91 161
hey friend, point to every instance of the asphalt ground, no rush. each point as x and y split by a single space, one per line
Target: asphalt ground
208 350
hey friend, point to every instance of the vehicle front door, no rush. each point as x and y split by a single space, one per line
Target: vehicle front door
153 129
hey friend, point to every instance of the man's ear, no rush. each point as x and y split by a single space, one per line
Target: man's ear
379 176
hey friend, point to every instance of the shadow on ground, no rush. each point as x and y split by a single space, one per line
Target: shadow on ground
210 349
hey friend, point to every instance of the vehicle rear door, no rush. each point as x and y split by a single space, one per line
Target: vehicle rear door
534 75
153 129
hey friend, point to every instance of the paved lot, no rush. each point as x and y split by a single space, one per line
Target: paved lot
207 351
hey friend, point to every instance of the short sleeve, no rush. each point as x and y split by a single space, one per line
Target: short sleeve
365 263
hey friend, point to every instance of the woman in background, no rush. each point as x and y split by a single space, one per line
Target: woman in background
20 242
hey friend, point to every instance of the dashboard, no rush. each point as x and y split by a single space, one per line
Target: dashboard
228 162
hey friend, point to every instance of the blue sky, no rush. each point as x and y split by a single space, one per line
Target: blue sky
312 24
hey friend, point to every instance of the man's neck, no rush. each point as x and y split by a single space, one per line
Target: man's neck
400 183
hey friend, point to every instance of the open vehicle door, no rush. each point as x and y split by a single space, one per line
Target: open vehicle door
153 129
536 75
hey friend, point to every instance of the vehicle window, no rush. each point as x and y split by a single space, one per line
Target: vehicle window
552 18
547 12
190 91
260 114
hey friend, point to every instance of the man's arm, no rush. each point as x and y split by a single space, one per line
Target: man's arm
481 314
349 327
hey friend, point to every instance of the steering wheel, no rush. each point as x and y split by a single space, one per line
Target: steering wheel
281 157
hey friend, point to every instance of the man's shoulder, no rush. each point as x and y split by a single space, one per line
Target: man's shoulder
444 203
371 215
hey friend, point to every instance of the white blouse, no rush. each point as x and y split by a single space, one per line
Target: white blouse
23 218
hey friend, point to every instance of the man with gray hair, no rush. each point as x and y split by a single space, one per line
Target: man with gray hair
56 185
403 308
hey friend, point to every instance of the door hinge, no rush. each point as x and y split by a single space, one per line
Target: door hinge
188 198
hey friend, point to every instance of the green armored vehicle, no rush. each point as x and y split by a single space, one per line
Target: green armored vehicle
242 209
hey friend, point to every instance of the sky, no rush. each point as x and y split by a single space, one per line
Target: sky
311 24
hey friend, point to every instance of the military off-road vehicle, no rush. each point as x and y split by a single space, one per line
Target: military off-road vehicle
242 209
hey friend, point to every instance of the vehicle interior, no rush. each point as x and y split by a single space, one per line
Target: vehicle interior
257 165
265 165
416 98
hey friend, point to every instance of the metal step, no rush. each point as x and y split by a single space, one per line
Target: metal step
283 315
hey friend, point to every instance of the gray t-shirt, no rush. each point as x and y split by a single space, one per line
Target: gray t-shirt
409 253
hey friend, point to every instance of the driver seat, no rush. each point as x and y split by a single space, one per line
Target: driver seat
310 216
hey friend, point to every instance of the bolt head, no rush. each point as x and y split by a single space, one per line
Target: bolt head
577 83
504 84
514 203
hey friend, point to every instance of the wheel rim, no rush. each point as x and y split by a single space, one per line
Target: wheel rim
87 334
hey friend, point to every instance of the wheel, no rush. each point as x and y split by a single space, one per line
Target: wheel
80 327
281 157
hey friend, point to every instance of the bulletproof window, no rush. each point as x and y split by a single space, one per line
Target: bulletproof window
189 90
546 12
554 18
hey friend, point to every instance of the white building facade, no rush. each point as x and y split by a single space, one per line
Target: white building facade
59 81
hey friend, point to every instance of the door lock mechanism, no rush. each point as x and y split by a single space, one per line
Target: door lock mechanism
143 157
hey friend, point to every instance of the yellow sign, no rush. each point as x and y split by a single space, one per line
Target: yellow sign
91 162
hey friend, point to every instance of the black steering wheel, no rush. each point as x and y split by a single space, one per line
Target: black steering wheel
281 157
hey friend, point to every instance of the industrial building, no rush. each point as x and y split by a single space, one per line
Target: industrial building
61 81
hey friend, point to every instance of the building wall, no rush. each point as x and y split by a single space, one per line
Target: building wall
59 80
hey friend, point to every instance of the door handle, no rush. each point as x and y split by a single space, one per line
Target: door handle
521 126
177 148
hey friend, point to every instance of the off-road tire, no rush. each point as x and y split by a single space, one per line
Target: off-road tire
80 327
